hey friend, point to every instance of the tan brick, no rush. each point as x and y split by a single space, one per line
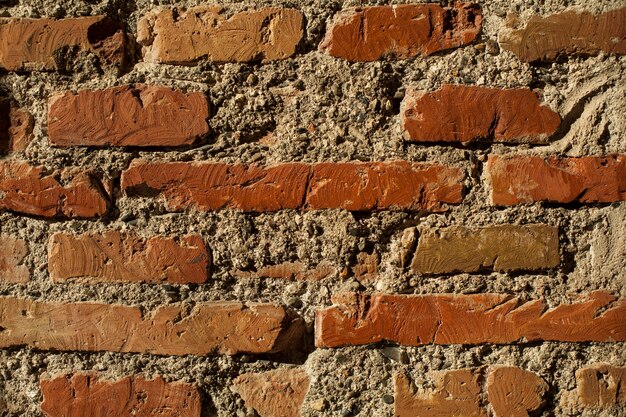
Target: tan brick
501 248
13 252
447 319
456 113
32 44
202 32
176 329
569 33
32 190
601 385
350 186
124 257
526 179
401 31
275 393
514 392
21 130
455 393
81 395
128 116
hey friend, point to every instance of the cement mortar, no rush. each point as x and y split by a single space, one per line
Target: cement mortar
353 109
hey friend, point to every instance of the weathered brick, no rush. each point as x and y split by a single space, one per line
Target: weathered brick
114 256
32 190
33 44
455 393
456 113
289 271
401 31
446 319
203 33
514 392
128 116
21 129
350 186
526 179
275 393
601 385
80 395
13 252
5 125
568 33
175 329
471 249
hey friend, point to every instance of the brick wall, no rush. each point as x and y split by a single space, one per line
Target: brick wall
315 208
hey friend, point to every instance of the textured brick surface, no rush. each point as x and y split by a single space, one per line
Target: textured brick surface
80 395
467 319
526 179
34 44
127 116
401 31
175 329
456 113
32 190
203 33
572 32
113 256
13 252
274 393
351 186
601 385
514 392
468 249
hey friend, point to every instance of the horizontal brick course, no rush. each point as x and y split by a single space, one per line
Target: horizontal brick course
527 179
350 186
176 329
128 116
124 257
401 31
447 319
184 37
80 395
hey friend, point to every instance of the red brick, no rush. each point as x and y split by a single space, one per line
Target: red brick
32 190
176 329
446 319
21 130
80 395
514 392
455 393
568 33
13 253
471 249
601 385
113 256
527 179
32 44
275 393
128 116
202 32
401 31
457 113
350 186
290 271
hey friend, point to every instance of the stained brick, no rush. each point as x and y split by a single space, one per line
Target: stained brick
113 256
5 125
275 393
128 116
175 329
13 252
68 193
350 186
514 392
601 385
203 33
401 31
446 319
80 395
455 393
471 249
33 44
456 113
526 179
568 33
